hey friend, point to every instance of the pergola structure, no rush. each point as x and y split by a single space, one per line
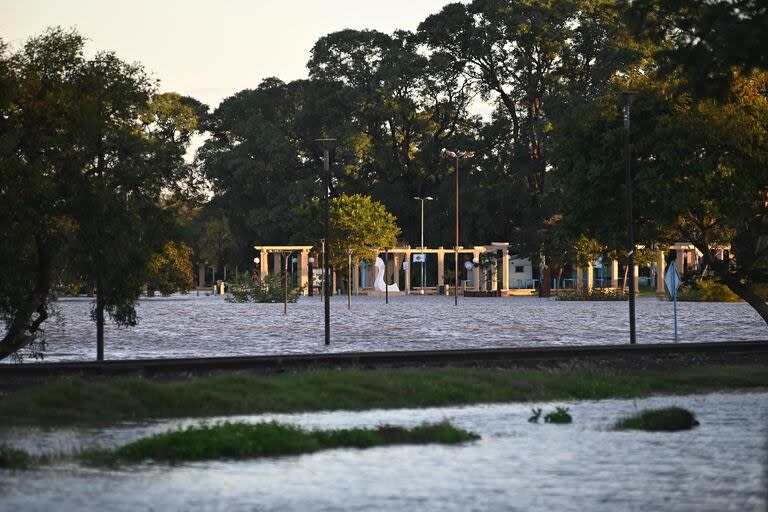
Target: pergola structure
277 252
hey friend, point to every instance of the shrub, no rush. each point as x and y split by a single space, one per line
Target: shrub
574 294
668 419
13 459
269 289
560 415
706 291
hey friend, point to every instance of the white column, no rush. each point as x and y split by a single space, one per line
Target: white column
579 277
304 272
407 258
637 277
614 274
660 272
590 276
505 270
440 267
475 270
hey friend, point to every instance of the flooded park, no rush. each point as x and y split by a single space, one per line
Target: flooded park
208 326
516 465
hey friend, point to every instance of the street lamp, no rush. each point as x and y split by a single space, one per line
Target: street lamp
386 281
626 99
423 256
326 143
457 155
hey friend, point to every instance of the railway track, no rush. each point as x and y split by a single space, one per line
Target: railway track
617 358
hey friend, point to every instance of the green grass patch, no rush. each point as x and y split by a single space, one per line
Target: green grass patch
668 419
11 458
76 401
245 441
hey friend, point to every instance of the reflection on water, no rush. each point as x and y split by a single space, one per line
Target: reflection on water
515 466
192 326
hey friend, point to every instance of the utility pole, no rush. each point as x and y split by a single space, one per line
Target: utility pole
423 255
457 155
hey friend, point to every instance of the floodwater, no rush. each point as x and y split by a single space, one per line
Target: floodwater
516 465
203 326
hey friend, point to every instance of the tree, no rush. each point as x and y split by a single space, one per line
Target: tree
356 222
170 271
707 39
699 173
84 165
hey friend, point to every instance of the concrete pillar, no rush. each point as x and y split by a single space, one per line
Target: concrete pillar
505 270
679 265
304 272
277 264
579 277
201 275
263 265
590 276
475 270
355 278
407 258
440 267
614 274
660 272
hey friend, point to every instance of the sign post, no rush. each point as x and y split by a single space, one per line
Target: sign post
672 280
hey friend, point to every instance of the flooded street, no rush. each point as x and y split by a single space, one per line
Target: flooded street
717 466
192 326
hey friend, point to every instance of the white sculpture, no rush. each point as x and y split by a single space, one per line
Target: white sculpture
378 283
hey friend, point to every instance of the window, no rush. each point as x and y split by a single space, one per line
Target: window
519 269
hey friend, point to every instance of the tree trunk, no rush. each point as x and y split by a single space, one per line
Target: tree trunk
23 328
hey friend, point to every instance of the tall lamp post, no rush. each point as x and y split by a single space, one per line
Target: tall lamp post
423 256
626 100
457 155
326 268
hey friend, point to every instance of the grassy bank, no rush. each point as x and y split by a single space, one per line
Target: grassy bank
71 401
245 441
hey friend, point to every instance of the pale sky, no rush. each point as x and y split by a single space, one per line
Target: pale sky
210 50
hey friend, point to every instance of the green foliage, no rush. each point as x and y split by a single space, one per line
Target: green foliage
594 294
170 271
668 419
559 415
270 289
706 291
535 416
76 401
11 458
243 440
356 222
90 153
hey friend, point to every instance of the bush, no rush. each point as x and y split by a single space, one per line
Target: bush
560 415
13 459
668 419
243 440
269 289
574 294
706 291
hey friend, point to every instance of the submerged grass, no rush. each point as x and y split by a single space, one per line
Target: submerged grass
77 401
11 458
668 419
243 440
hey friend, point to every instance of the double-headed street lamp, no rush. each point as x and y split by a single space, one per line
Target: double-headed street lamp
423 256
457 155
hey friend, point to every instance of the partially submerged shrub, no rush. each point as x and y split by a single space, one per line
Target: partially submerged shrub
560 415
535 416
269 289
584 294
243 440
11 458
668 419
706 291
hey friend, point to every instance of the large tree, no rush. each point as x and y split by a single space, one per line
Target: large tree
699 173
86 160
